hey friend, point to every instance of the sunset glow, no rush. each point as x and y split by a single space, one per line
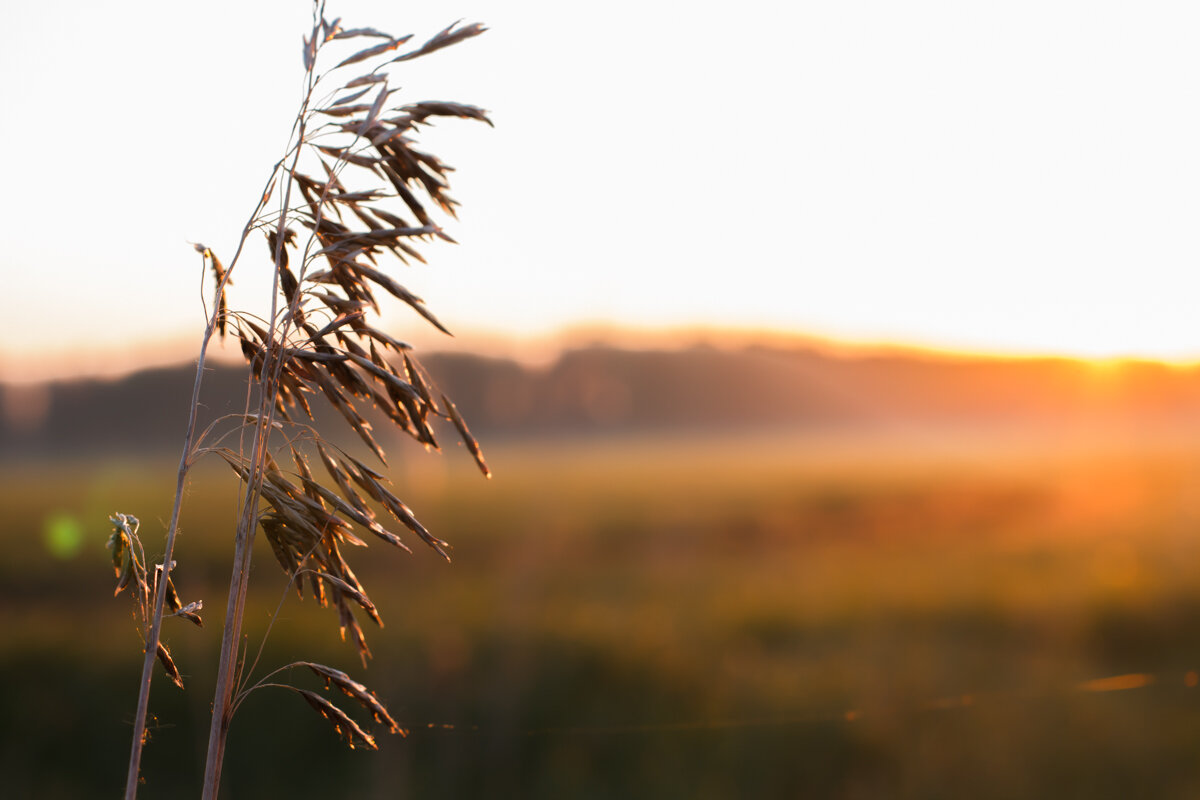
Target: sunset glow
1018 179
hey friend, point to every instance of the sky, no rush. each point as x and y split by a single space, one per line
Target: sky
1008 178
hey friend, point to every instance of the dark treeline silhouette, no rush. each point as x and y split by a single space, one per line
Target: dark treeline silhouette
603 390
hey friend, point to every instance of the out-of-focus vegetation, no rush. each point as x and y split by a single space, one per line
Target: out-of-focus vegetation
653 617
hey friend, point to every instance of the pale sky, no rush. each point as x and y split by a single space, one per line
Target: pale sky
1005 177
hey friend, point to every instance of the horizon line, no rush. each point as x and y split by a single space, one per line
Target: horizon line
113 361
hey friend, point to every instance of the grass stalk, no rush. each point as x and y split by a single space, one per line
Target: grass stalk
321 343
154 630
247 525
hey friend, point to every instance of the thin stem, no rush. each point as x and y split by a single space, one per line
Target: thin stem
235 607
155 627
289 687
247 525
242 692
152 635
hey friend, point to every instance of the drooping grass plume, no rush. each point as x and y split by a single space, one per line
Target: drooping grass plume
353 196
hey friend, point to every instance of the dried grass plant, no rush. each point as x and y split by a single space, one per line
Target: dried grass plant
351 194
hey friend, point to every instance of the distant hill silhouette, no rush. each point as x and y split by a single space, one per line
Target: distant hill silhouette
602 390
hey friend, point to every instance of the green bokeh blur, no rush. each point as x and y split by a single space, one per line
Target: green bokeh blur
63 535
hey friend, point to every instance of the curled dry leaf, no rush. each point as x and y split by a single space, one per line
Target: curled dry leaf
417 379
361 32
330 29
369 78
376 107
355 594
379 49
444 38
173 602
357 691
127 568
118 543
310 53
467 438
346 727
418 112
341 101
168 663
191 612
343 111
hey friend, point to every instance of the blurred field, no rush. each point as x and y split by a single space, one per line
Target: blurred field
771 616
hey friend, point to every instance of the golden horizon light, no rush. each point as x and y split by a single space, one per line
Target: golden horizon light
1008 181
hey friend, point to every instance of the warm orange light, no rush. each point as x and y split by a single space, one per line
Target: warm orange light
1117 683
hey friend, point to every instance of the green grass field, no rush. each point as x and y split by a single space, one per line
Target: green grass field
720 617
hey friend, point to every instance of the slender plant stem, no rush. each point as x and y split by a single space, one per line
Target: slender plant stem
154 629
152 634
235 608
247 525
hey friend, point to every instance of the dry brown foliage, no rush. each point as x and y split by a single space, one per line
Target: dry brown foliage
129 567
354 196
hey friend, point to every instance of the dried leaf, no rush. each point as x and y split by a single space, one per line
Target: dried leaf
173 603
330 29
275 530
354 689
418 380
468 439
343 724
340 474
363 55
190 613
387 340
118 543
418 112
343 111
350 98
348 34
376 107
350 198
385 376
364 80
334 324
310 53
345 155
404 515
408 197
444 38
126 573
364 476
353 418
398 291
363 518
355 594
168 663
382 136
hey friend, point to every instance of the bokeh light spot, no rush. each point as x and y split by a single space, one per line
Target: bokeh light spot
63 535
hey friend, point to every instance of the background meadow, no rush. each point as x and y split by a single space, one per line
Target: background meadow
853 610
